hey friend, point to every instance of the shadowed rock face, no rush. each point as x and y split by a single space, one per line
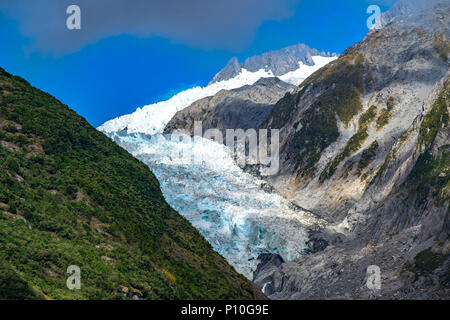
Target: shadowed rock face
279 62
243 108
230 71
364 143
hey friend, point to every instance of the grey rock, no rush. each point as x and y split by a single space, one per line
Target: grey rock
441 143
242 108
278 61
427 14
231 70
374 214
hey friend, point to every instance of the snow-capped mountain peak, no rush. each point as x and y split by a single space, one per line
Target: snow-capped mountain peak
151 119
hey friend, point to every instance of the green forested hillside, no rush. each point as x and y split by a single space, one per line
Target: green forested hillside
70 196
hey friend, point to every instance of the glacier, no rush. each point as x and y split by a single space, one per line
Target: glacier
152 119
228 206
296 77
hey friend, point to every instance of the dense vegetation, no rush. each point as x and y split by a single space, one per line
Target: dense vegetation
70 196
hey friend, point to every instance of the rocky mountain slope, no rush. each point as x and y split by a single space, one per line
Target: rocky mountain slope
278 62
70 196
365 145
245 107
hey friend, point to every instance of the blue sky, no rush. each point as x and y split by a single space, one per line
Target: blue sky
112 70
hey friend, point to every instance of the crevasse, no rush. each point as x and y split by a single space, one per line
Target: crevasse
226 205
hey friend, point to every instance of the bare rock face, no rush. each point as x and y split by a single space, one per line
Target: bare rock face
241 108
441 143
339 126
268 270
365 146
365 143
231 70
279 62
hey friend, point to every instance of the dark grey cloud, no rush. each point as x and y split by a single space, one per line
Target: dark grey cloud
221 24
388 3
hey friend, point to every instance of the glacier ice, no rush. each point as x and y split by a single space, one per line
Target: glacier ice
226 205
304 71
152 119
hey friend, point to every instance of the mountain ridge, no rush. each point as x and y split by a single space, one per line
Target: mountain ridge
226 109
71 196
278 62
